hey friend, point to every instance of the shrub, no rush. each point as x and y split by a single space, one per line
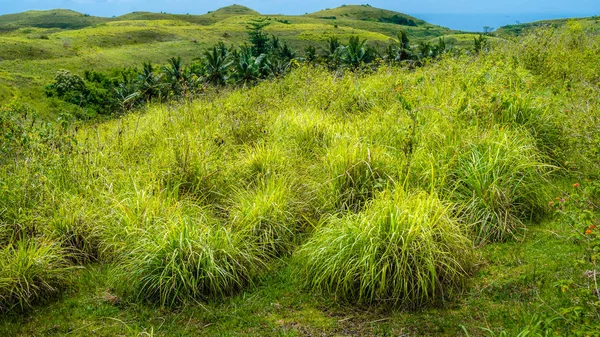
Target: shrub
403 250
264 162
30 271
75 226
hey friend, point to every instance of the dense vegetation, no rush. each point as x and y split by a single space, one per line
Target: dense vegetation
264 57
427 194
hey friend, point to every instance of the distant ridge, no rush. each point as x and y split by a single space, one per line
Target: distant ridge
55 18
367 13
592 22
235 10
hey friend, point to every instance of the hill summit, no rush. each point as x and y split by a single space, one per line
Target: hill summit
235 10
367 13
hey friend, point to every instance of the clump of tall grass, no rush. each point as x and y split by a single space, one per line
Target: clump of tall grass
190 259
546 127
269 215
404 249
263 161
194 170
355 172
75 225
500 182
30 271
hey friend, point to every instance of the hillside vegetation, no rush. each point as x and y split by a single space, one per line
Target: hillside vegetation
453 195
591 23
35 45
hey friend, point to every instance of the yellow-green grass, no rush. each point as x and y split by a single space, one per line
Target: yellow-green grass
214 204
590 23
362 12
57 18
463 40
31 52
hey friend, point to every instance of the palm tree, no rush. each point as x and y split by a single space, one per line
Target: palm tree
332 53
404 50
425 50
175 74
285 52
356 53
247 68
216 64
274 66
149 85
310 54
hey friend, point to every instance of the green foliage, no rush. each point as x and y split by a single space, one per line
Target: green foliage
404 249
193 201
268 215
502 183
216 64
30 271
259 40
480 44
355 174
15 136
188 260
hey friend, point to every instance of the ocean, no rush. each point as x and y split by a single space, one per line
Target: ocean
475 22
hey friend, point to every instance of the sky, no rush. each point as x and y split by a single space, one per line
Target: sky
510 10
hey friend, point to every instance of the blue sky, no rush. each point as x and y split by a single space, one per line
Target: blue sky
505 11
117 7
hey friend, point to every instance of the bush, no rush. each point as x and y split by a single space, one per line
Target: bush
402 250
354 174
75 225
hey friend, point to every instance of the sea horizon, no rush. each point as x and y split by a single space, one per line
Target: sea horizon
475 22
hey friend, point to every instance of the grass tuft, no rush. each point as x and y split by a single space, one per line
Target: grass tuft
403 250
188 260
502 183
31 271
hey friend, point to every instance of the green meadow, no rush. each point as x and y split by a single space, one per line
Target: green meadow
342 179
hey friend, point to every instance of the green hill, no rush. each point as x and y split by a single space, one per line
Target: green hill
368 13
589 23
35 44
205 19
56 18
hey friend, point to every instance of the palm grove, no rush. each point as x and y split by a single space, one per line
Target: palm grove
264 57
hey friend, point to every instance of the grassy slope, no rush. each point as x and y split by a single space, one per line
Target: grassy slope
29 56
515 281
591 23
513 284
58 18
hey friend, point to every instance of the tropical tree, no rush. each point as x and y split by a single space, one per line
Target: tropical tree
259 40
332 53
149 82
174 72
356 53
247 68
216 63
479 44
310 54
404 52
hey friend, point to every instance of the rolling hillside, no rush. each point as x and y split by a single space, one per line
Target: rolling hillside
590 23
35 44
58 18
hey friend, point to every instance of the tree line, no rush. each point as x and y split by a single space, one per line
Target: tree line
262 57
